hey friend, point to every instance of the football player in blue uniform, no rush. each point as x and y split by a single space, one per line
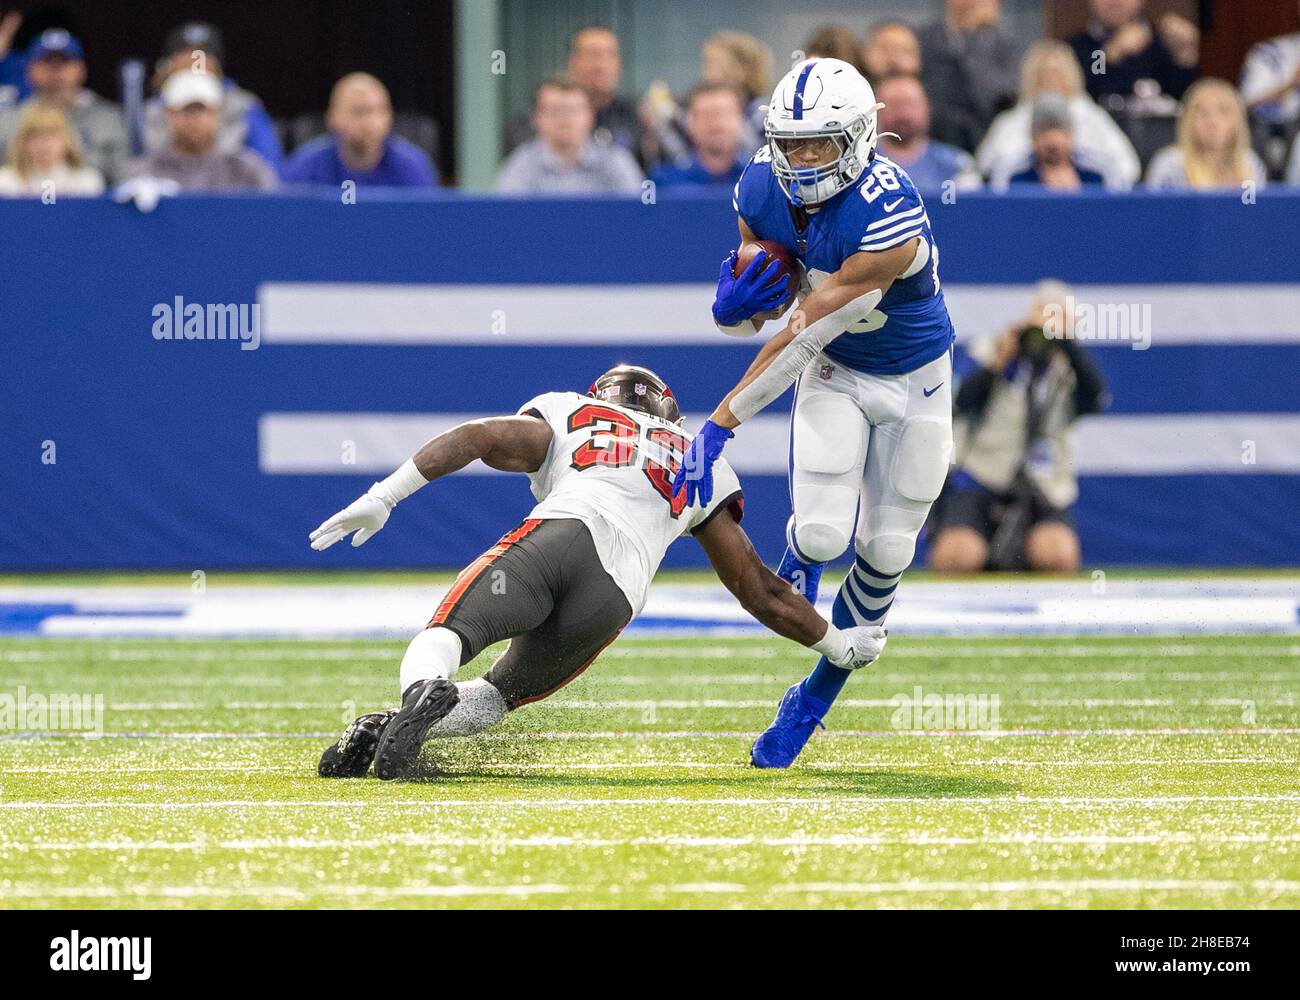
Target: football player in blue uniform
868 348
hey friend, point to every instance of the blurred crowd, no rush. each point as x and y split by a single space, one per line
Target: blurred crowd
967 105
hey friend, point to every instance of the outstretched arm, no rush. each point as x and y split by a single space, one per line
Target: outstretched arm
512 444
776 604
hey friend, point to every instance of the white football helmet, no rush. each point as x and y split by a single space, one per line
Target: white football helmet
821 99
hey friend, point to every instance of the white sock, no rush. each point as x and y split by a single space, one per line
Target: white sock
435 652
480 707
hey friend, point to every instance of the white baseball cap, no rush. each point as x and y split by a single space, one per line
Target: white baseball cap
191 87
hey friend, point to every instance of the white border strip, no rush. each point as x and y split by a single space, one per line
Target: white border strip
1107 445
618 314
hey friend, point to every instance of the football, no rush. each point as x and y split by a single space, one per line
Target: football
789 264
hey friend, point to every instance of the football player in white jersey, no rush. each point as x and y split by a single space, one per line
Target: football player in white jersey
869 351
575 571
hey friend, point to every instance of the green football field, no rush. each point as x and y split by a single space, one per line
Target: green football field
1136 772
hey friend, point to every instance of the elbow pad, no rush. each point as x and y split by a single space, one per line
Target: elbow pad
806 345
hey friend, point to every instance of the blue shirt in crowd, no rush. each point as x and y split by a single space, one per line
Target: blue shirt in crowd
318 162
940 163
689 171
1030 175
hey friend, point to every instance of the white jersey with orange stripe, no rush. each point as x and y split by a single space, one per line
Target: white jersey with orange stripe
612 468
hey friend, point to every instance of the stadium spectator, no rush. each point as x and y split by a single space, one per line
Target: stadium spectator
890 48
56 71
1270 79
835 41
1050 67
244 121
595 64
1213 147
564 158
193 157
13 62
362 147
1053 163
715 125
1007 503
45 157
1120 48
737 60
728 58
931 164
969 65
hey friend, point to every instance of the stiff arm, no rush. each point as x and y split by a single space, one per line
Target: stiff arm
844 299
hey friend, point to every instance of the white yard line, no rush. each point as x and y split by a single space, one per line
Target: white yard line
674 734
632 648
667 800
973 650
913 887
253 766
618 704
597 843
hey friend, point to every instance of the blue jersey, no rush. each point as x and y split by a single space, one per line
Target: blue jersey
880 210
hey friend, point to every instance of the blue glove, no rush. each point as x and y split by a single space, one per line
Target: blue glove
696 473
753 292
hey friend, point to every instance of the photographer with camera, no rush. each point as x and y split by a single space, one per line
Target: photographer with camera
1006 505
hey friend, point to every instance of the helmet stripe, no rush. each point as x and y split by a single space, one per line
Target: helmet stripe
798 90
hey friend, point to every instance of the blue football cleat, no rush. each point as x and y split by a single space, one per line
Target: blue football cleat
803 577
797 717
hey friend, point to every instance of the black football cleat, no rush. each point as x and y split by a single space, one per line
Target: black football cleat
352 755
423 704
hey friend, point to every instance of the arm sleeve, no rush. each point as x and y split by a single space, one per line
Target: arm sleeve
797 354
548 407
543 406
727 496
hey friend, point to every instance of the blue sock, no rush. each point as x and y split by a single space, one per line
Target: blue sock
827 680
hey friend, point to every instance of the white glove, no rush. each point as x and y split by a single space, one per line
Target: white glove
365 515
863 645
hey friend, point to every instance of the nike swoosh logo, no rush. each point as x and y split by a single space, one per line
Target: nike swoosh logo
896 203
930 392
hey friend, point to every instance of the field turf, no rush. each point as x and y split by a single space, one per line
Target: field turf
1136 772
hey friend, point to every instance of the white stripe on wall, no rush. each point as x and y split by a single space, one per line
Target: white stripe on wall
340 313
1108 445
1187 443
346 313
